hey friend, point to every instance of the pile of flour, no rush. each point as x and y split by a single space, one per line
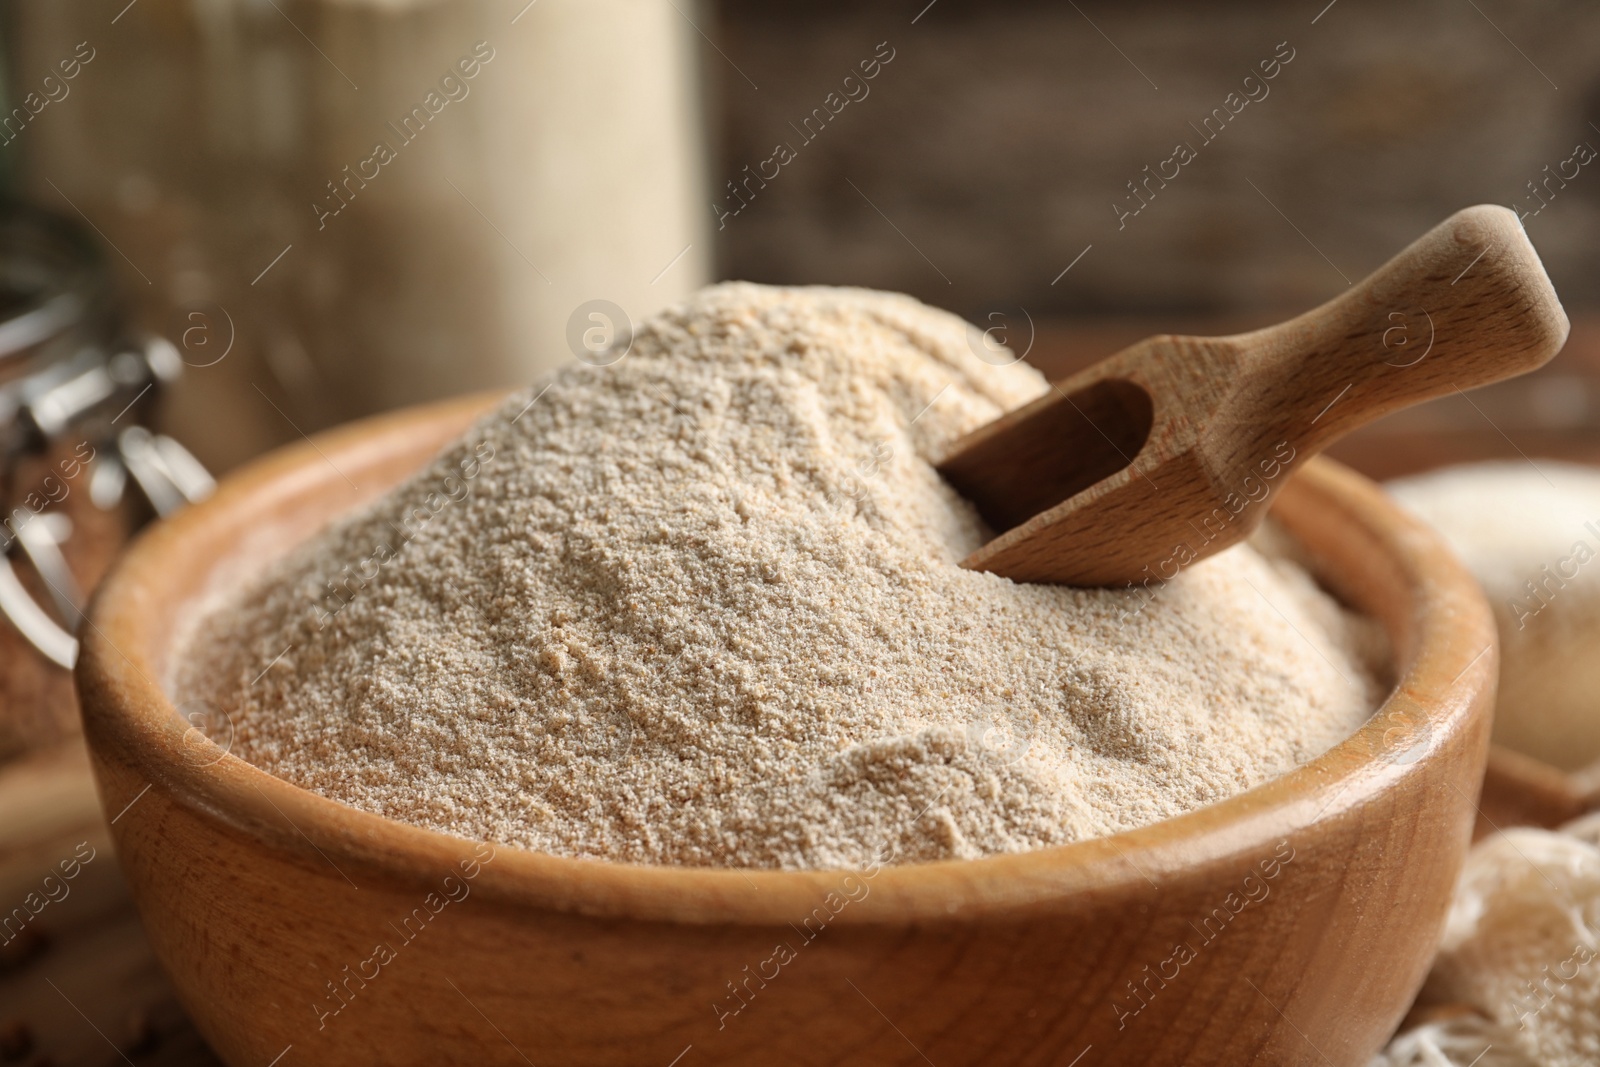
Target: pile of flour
702 606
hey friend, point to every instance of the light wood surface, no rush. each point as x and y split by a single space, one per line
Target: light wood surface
257 894
79 986
1173 449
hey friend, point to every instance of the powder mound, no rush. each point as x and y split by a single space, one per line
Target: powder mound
703 607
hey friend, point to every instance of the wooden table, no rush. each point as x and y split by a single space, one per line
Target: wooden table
78 984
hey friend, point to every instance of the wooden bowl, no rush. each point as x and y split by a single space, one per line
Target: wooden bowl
1553 413
1289 924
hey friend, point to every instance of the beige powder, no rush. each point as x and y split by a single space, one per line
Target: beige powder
702 606
1530 534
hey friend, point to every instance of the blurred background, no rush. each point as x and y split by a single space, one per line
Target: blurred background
592 157
231 223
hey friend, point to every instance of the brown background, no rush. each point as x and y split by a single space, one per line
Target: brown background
1001 133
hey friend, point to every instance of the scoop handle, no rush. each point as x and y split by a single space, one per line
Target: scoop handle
1466 304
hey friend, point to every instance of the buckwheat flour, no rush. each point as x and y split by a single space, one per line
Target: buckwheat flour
702 606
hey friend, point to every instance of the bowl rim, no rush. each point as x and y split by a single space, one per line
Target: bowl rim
1441 630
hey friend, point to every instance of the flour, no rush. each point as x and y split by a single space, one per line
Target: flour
702 607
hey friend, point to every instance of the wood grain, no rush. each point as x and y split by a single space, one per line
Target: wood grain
258 895
79 986
1173 449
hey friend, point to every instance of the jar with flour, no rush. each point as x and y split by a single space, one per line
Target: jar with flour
368 202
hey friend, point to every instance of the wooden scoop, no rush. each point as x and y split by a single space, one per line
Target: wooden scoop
1172 449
